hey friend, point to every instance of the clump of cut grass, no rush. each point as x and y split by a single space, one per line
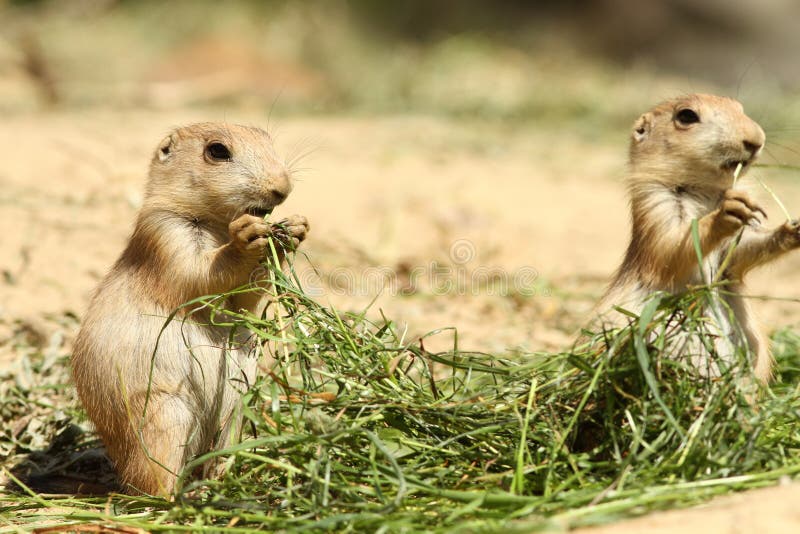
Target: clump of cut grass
352 426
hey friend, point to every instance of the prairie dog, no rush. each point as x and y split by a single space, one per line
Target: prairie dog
200 231
683 155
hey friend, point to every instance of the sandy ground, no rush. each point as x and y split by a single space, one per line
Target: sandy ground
421 201
767 510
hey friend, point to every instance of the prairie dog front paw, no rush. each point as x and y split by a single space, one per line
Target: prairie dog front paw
789 234
291 231
737 209
249 234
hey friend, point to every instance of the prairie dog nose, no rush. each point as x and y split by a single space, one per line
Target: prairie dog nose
753 139
280 185
752 148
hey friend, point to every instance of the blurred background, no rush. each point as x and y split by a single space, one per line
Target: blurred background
483 140
514 59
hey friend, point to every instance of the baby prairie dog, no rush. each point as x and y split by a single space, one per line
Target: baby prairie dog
683 156
159 398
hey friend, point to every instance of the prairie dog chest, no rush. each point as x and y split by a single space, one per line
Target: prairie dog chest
692 204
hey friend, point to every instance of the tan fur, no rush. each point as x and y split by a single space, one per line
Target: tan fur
193 237
680 171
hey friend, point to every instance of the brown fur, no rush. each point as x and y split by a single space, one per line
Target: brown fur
680 171
193 237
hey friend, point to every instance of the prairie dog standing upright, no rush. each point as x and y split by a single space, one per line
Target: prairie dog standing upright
200 231
683 156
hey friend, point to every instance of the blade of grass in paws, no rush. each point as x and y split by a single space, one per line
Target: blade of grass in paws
775 197
697 248
728 255
736 174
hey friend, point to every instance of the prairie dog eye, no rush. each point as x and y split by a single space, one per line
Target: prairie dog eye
686 116
218 152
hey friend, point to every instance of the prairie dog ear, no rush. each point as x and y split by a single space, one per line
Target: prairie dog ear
642 127
165 148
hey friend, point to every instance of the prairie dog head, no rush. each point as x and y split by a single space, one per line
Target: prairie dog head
217 171
696 139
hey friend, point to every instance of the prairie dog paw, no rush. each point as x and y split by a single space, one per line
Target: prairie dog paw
291 231
249 234
737 209
789 234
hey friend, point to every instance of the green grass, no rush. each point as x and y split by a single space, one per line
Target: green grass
351 427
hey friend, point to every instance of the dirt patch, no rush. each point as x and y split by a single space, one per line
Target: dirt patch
762 510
